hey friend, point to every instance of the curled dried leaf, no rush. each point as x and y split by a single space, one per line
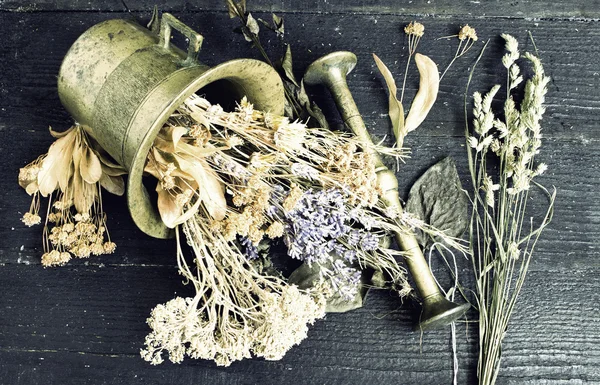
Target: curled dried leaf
60 134
279 26
427 94
90 166
56 166
252 27
113 184
396 111
287 65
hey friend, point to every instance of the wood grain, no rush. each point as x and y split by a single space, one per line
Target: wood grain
84 323
442 8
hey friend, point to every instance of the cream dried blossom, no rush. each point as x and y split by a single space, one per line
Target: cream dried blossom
467 33
71 175
236 313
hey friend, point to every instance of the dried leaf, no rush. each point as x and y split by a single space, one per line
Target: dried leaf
307 276
169 211
425 97
211 191
396 111
90 167
236 10
311 108
32 188
59 134
56 165
287 66
438 199
252 26
84 194
113 184
278 23
176 134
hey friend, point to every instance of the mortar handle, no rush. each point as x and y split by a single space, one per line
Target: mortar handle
169 21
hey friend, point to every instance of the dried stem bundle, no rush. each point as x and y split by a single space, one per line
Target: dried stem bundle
503 236
76 168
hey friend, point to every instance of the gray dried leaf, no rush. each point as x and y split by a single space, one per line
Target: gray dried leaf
279 26
437 198
236 10
252 26
287 65
306 276
311 107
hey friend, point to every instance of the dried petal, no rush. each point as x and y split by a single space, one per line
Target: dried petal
56 165
113 184
168 209
428 89
396 111
90 167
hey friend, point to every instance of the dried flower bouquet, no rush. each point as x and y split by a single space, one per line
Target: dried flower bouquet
235 185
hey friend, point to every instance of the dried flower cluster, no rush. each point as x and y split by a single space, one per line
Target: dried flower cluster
236 180
237 312
71 175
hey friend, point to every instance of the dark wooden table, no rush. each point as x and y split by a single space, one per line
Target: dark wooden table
85 323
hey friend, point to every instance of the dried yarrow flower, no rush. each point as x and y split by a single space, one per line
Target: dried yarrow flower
71 175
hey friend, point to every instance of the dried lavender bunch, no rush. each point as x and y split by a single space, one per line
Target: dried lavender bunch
502 233
71 175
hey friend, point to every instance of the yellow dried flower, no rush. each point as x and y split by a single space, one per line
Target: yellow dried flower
275 230
415 29
55 258
109 247
97 248
293 197
467 32
31 219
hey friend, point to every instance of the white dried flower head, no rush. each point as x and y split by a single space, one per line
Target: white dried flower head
30 219
109 247
541 168
467 32
287 316
234 141
79 217
183 198
275 230
414 28
97 248
414 31
55 258
290 137
246 109
513 251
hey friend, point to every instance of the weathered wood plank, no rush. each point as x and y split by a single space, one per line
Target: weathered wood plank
554 337
35 47
85 322
441 8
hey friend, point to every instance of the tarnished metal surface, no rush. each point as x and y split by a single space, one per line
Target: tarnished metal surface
124 81
331 70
